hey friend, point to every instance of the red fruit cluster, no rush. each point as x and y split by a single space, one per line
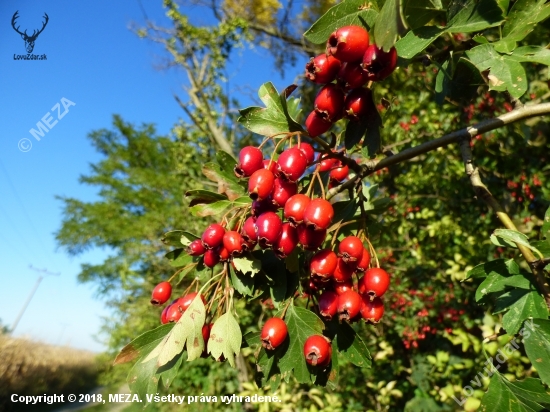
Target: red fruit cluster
334 272
350 62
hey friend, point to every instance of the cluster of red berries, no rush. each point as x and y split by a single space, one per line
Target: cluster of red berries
272 185
522 190
351 62
333 272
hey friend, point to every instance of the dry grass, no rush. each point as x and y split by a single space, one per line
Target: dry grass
34 368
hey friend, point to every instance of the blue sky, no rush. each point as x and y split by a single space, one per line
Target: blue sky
96 62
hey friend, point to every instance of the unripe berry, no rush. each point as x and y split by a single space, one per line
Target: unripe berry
318 214
322 69
295 208
323 263
378 64
351 249
358 104
282 191
316 125
292 164
372 311
250 160
196 248
260 184
349 305
309 238
317 350
328 304
329 102
273 333
375 282
287 241
268 229
348 43
161 293
308 151
213 236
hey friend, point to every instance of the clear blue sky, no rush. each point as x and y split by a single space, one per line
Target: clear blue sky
95 61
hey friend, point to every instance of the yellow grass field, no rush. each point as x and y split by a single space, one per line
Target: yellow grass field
33 368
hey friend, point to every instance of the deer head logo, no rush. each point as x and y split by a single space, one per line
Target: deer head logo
29 40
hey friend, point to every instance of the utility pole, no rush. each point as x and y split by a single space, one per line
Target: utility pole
44 273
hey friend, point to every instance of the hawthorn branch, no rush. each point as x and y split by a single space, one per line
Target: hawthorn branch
485 126
484 194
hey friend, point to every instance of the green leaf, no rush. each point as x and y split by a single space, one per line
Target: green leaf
389 24
355 130
210 209
521 396
271 120
242 283
225 338
346 13
227 183
352 347
247 264
531 54
537 346
457 80
495 282
343 211
523 17
143 344
419 12
415 41
545 229
203 197
301 323
169 372
179 258
142 379
186 332
226 161
174 238
530 304
512 238
373 137
504 46
497 266
476 15
505 72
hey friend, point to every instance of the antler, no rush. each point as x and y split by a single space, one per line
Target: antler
43 25
15 16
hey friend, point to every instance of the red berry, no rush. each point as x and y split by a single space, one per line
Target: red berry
341 287
260 184
292 164
349 305
213 236
379 64
348 43
268 229
206 328
163 318
358 104
322 69
372 310
282 191
328 163
223 254
295 208
184 302
317 350
323 263
308 151
173 313
271 165
318 214
364 262
233 242
375 282
329 102
351 249
161 293
343 271
340 173
328 304
196 248
352 75
250 160
316 125
249 230
212 257
310 239
286 242
273 333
